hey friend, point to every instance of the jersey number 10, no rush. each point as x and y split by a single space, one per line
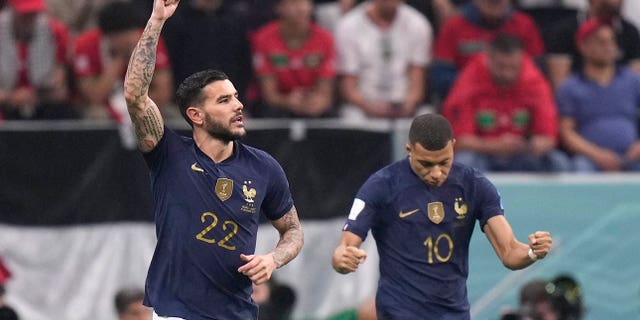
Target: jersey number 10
433 248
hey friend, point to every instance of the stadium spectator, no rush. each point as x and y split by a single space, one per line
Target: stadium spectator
294 62
33 63
383 50
467 33
566 295
599 104
563 55
196 34
422 211
328 12
503 112
128 303
78 15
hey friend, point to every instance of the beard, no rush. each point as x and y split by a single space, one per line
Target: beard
218 130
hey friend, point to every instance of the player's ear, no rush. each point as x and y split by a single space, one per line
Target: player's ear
196 115
408 147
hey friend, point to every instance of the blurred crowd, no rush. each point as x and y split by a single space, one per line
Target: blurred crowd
529 85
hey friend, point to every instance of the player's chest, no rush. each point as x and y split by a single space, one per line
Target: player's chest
237 188
449 209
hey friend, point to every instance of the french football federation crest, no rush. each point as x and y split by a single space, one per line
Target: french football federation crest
224 188
435 212
249 193
461 208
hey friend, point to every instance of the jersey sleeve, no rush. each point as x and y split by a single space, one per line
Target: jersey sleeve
488 199
156 157
366 206
278 200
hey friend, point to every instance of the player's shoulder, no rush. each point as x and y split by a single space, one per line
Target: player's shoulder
253 154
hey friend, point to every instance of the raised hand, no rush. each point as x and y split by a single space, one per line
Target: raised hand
163 9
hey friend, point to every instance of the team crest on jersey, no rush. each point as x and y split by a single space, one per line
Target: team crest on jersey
435 212
460 207
224 188
249 193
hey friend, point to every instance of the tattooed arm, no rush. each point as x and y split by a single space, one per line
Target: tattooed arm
260 267
144 113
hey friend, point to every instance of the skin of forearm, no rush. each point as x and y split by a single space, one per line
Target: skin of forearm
142 63
290 243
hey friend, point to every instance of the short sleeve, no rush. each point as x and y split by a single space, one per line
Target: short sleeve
488 199
369 202
278 200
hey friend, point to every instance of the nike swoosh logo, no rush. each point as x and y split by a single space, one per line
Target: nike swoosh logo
408 213
195 167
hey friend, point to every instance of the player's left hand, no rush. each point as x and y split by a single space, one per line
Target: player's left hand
258 267
540 242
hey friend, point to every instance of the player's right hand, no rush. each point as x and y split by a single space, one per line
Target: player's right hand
163 9
347 258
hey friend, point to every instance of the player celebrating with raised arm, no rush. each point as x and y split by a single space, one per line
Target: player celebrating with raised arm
421 212
208 193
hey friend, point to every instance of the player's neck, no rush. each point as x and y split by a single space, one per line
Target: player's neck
216 149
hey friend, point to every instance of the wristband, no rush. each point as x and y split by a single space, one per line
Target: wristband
532 255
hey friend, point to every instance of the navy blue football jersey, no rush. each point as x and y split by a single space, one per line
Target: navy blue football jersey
422 234
206 215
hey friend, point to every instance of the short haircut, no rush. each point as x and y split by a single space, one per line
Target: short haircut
126 297
119 16
190 90
432 131
506 43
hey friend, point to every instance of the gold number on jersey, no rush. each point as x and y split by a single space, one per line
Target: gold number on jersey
223 242
214 221
432 247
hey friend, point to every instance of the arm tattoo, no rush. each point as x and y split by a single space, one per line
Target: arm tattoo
291 239
142 62
144 113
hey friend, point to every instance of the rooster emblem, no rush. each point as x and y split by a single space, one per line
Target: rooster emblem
249 193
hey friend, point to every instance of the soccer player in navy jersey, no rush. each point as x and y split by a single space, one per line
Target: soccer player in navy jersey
208 193
421 212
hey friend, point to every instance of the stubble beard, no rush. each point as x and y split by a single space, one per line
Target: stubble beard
221 132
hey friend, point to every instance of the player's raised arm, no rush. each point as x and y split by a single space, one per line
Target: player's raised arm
144 113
